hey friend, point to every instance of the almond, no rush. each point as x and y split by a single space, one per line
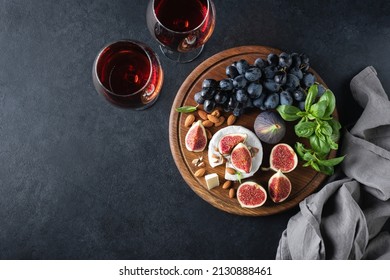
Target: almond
221 121
216 113
189 120
200 172
230 171
227 185
208 133
212 118
232 193
202 115
207 123
201 164
231 120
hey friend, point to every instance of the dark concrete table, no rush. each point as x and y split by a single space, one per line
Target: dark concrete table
82 179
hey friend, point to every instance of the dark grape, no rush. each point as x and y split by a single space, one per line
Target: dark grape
285 60
208 106
285 98
269 72
304 58
209 83
292 81
231 71
241 96
299 95
242 65
198 98
238 111
273 59
254 90
208 93
272 101
321 90
261 63
220 98
271 85
253 74
249 103
308 80
296 60
240 81
280 77
232 103
226 84
296 72
301 105
259 102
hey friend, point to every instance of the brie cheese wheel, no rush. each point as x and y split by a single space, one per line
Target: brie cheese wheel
251 141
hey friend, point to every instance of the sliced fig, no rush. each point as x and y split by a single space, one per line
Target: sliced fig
269 127
283 158
196 138
241 158
279 187
229 141
251 195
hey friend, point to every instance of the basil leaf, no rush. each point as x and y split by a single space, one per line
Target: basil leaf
328 170
187 109
319 145
301 150
333 145
311 96
308 156
288 112
315 166
304 129
335 136
318 109
319 134
326 129
332 161
330 100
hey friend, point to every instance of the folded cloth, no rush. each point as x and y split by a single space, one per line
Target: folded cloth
344 220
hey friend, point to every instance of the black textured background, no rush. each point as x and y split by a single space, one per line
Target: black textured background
82 179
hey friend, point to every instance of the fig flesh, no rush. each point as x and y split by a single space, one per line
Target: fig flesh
229 141
241 158
269 127
251 195
279 187
196 137
283 158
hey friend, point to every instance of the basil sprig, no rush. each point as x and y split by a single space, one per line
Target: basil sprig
187 109
317 124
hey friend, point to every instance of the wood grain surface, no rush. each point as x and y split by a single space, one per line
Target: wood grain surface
304 180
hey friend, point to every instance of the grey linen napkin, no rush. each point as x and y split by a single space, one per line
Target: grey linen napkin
344 220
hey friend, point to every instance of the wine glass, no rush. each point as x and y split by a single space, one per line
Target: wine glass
128 73
182 27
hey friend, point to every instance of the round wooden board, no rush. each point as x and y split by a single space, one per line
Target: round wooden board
304 180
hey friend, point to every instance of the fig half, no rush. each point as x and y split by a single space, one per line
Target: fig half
229 141
196 137
283 158
279 187
241 158
251 195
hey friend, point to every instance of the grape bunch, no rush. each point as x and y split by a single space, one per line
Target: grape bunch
278 80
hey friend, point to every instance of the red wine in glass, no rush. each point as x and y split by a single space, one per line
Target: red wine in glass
128 73
181 27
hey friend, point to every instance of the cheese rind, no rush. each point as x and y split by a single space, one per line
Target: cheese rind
212 180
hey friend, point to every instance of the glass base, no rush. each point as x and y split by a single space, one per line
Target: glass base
181 57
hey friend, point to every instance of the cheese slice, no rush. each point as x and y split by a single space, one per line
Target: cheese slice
212 180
